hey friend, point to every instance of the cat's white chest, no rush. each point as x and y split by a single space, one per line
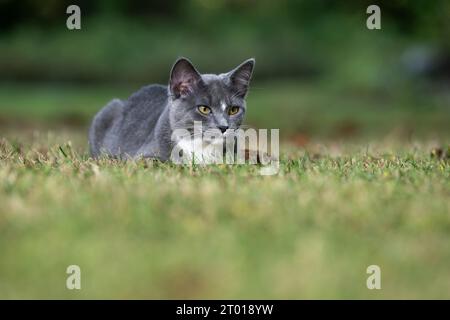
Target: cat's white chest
198 151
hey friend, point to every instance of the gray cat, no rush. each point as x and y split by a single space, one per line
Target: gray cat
142 125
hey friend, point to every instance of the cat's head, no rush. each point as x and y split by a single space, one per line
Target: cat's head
218 101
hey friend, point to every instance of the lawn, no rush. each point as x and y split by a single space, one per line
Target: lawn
343 200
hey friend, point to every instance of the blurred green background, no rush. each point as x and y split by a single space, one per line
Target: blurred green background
320 74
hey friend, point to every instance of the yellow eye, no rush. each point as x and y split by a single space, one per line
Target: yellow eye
204 110
233 111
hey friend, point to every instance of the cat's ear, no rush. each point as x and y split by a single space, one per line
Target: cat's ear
240 77
183 78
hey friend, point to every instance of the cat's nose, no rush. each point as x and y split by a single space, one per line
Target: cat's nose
223 128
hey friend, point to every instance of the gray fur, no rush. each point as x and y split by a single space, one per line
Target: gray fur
142 125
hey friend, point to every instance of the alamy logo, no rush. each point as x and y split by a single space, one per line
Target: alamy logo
374 20
73 22
374 280
235 146
74 279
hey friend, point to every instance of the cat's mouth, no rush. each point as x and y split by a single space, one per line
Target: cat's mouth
211 136
217 136
211 132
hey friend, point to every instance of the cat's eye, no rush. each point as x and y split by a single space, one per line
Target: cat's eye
233 110
204 110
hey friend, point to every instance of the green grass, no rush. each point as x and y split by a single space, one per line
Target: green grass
357 186
151 230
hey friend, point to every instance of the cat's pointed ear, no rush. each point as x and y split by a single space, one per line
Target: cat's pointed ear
240 77
183 78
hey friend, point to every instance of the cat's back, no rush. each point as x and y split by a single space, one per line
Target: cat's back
140 114
145 104
153 96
